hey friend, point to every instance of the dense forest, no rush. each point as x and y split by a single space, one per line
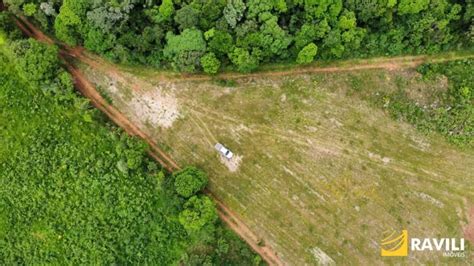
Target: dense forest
195 35
77 190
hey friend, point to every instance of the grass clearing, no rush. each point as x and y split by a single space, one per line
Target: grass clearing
324 170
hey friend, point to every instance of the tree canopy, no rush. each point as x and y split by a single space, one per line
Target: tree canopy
307 54
189 181
247 33
185 50
199 211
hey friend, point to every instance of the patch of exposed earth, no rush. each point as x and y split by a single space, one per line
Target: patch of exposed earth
149 105
322 257
231 164
155 108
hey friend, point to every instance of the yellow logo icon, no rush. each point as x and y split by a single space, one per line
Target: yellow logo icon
395 245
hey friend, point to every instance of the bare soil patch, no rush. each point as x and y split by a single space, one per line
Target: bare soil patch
231 164
155 108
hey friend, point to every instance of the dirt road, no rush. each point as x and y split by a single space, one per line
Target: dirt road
89 91
391 63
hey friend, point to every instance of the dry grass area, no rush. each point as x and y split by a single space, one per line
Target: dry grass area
322 171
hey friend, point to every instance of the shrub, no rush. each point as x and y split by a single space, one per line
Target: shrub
210 63
307 54
244 61
185 50
189 181
29 9
198 212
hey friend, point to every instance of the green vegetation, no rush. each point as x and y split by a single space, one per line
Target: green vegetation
185 49
77 190
29 9
198 212
450 113
2 38
210 63
247 33
307 54
320 171
189 181
39 63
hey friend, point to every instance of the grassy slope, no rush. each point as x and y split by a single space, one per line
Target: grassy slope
322 168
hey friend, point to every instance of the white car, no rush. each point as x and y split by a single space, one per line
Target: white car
224 151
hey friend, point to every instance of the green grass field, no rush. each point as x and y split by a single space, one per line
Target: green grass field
323 170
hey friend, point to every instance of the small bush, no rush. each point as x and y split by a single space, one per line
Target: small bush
189 181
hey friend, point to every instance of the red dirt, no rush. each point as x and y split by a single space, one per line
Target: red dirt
89 91
230 218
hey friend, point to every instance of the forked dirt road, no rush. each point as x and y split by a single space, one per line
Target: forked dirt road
89 91
230 218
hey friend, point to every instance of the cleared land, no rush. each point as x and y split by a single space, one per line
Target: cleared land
321 171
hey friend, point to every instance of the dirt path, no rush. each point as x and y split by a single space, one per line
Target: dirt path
388 63
89 91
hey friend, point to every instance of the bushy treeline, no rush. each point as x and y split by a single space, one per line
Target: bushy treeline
194 35
75 190
452 113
